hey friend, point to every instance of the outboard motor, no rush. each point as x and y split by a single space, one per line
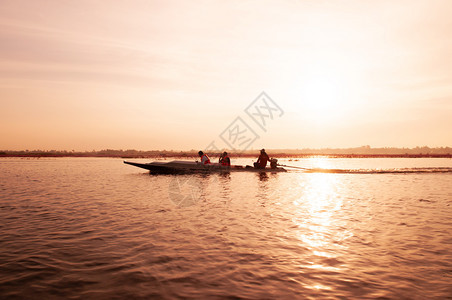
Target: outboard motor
273 163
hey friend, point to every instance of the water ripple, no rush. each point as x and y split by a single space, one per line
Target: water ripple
93 228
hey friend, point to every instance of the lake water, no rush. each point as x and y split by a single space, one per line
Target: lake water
95 228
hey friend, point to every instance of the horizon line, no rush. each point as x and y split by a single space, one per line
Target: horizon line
366 147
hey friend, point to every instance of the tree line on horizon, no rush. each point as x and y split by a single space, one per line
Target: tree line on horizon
343 152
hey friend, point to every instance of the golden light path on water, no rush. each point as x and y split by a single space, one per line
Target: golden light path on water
320 201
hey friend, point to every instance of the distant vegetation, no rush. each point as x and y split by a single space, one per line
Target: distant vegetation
364 151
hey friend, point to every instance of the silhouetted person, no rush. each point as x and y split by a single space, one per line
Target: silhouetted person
225 160
205 160
262 160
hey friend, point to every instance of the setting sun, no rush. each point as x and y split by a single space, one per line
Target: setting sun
323 97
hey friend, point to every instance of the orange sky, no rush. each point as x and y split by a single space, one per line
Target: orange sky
147 75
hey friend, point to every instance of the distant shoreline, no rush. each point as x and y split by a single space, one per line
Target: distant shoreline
275 155
357 152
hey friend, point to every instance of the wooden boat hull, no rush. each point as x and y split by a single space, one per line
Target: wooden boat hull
174 167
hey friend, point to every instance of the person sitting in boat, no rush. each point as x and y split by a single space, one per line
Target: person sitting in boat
262 160
205 160
225 160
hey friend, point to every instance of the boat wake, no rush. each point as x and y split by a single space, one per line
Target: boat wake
381 171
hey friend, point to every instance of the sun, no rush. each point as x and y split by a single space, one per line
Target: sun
323 96
325 89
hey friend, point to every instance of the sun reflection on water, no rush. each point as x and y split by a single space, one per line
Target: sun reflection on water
317 212
320 162
320 201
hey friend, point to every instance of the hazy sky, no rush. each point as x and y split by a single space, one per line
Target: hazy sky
147 75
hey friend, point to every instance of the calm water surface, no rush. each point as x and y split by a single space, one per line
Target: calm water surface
86 228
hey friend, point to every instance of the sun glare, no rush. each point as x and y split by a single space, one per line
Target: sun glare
322 95
325 88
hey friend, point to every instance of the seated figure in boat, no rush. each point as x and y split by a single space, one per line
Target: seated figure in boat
205 160
262 160
224 160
